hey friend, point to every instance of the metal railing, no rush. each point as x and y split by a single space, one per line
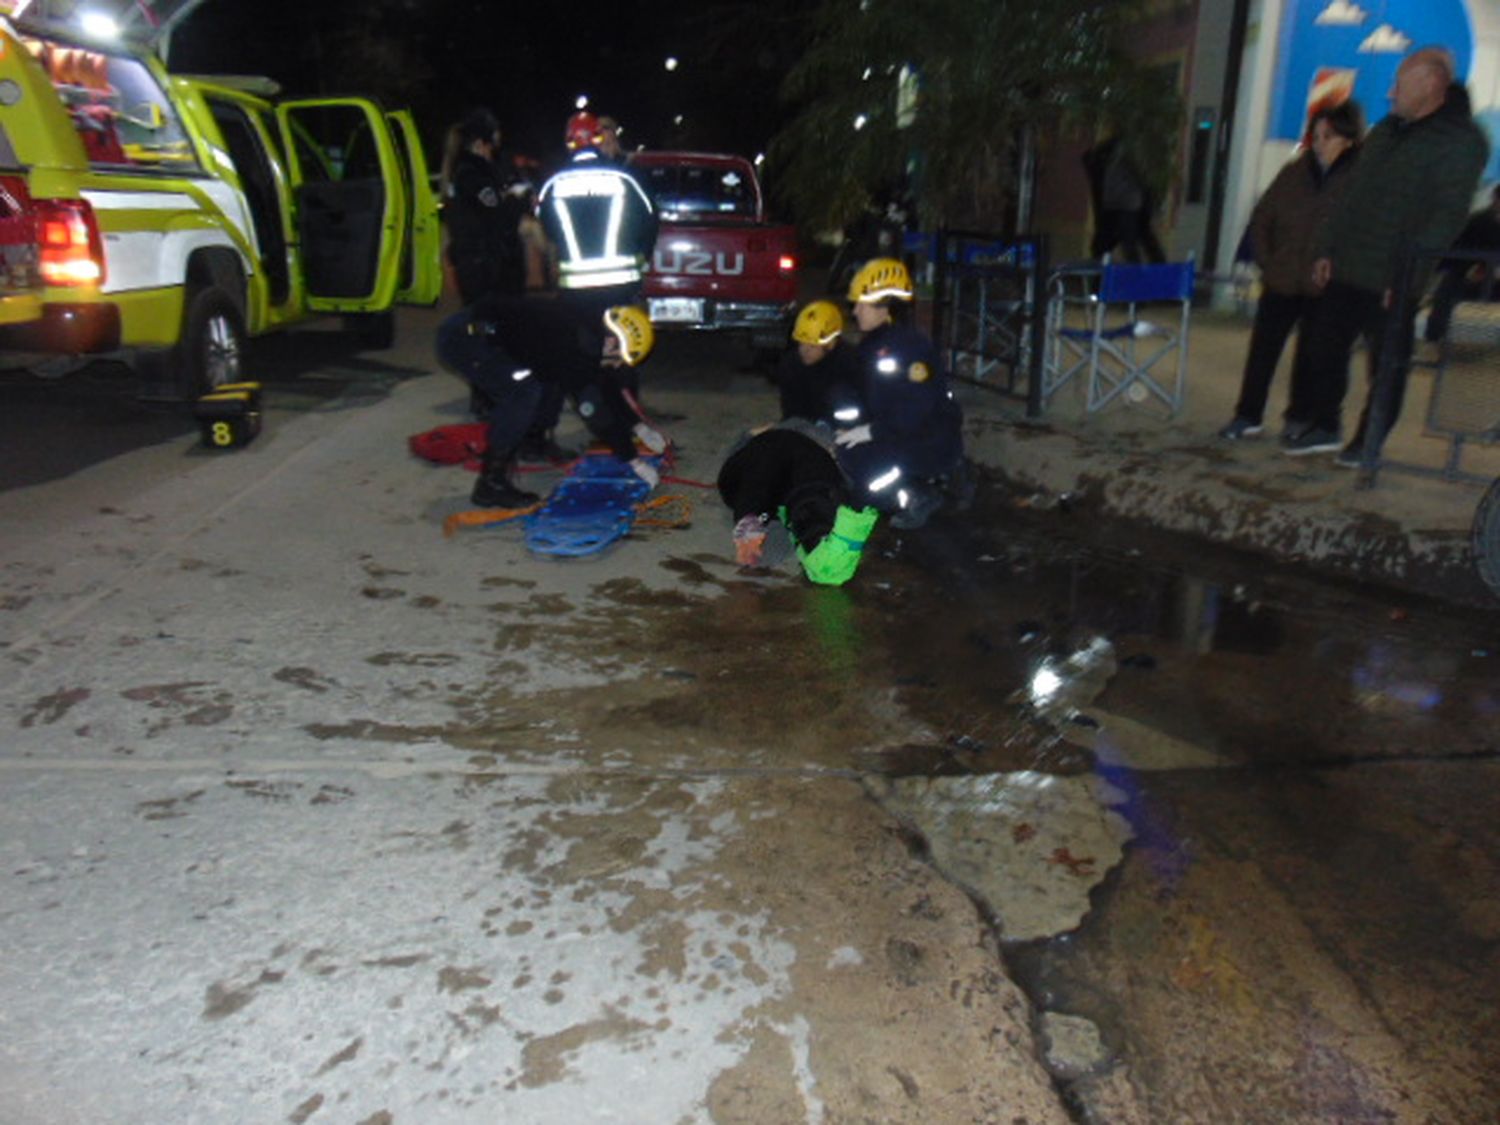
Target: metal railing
989 308
1464 404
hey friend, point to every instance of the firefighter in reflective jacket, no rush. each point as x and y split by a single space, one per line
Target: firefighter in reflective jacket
512 349
600 219
908 447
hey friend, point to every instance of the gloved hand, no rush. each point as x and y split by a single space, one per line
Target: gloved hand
651 439
646 471
849 438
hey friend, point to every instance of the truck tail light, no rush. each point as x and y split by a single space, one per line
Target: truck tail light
786 263
72 251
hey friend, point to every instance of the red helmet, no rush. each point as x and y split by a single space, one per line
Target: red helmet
582 130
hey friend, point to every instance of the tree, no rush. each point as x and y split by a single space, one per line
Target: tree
986 73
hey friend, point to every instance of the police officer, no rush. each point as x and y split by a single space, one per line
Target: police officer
818 376
483 213
908 444
601 220
513 350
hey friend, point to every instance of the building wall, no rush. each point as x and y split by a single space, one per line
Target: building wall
1284 48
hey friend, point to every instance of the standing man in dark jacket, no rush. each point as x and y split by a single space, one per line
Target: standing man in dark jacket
1300 199
483 215
1416 176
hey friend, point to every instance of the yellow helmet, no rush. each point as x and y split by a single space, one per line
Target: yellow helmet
632 327
880 278
819 322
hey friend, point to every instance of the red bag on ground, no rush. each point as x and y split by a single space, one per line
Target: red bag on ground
459 444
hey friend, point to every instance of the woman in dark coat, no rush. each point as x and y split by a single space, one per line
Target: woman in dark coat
1282 229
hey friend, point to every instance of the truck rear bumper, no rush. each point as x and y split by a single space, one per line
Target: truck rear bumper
706 313
82 329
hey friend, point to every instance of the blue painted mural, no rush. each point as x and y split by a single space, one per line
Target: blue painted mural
1331 44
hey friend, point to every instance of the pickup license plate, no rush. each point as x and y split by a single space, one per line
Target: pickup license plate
678 310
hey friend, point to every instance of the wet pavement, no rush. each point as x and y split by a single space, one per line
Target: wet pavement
310 814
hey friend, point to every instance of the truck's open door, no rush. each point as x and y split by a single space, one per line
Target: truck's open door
352 202
422 267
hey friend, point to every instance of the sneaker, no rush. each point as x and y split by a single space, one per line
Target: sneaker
1293 429
1353 454
749 540
497 492
1312 441
1241 428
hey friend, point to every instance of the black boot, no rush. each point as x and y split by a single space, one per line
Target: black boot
494 489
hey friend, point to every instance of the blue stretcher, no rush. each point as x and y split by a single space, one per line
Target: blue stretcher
590 508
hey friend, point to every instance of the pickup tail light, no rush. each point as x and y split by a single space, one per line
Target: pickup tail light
72 252
786 263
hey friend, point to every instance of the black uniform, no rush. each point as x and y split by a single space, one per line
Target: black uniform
513 349
815 391
484 238
916 425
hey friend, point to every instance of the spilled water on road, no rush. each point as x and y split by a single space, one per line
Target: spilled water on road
1221 759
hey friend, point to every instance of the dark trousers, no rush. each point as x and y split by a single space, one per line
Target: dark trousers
1343 315
592 304
489 370
1276 315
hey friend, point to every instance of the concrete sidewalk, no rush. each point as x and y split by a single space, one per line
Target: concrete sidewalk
1132 460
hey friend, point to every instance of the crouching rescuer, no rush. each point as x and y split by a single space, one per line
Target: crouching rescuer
784 481
515 351
906 454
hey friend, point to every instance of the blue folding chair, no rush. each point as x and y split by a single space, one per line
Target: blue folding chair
1095 329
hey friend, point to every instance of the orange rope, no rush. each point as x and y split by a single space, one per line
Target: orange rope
483 517
677 511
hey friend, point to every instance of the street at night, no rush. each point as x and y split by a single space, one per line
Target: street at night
315 814
868 562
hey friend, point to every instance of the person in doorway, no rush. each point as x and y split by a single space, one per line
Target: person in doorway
1299 200
513 349
1124 206
907 449
817 376
1411 190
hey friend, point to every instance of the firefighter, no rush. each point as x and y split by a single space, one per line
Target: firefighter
483 211
818 376
513 350
908 446
600 219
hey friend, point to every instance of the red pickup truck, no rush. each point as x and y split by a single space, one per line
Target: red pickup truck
719 262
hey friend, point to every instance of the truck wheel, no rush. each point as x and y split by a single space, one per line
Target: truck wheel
1485 538
208 355
372 331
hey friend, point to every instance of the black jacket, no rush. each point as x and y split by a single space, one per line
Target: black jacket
814 392
560 346
484 238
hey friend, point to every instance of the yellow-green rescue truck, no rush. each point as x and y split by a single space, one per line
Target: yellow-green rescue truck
176 215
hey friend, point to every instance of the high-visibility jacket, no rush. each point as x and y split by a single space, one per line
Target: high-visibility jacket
601 220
